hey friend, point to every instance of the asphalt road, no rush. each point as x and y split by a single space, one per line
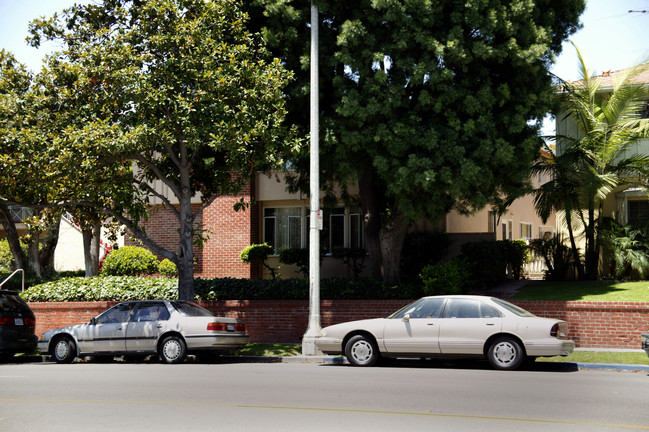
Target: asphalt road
403 396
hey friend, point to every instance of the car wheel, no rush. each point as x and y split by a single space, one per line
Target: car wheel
362 351
173 350
506 353
64 350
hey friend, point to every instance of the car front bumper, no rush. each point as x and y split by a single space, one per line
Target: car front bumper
329 345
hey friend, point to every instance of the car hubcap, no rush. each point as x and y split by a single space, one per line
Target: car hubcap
362 351
61 350
504 353
171 350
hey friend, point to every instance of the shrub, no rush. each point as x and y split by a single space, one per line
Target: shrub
122 288
296 256
130 261
103 288
518 254
421 249
167 268
446 277
488 261
6 257
258 253
354 258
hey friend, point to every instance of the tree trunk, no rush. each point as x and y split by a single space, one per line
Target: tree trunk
91 240
46 254
573 246
13 239
371 225
592 255
392 237
33 255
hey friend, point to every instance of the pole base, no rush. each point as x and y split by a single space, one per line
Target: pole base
309 347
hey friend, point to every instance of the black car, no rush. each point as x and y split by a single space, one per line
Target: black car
17 324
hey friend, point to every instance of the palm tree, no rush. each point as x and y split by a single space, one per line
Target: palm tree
562 192
609 122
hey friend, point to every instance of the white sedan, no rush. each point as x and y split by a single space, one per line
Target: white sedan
168 328
450 326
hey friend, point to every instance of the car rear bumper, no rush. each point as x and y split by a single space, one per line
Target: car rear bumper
222 342
549 348
645 343
18 344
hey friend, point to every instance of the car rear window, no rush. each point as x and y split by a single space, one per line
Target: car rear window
513 308
11 302
191 309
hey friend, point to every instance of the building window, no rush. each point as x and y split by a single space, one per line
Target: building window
638 213
493 221
508 230
283 228
342 228
526 231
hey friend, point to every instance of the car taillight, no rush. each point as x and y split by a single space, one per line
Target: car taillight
30 321
217 326
556 332
6 321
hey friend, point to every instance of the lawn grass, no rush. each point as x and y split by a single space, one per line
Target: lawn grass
585 291
631 358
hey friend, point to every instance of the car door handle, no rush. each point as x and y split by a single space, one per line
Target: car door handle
430 323
491 324
159 326
119 328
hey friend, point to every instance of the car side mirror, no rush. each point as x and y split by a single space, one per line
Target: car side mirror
406 318
93 321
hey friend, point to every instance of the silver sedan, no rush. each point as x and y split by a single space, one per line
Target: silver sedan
168 328
450 326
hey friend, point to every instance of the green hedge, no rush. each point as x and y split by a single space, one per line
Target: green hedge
121 288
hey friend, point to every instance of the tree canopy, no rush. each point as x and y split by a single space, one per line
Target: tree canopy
427 106
178 92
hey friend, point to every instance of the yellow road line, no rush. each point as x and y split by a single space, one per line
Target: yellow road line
336 410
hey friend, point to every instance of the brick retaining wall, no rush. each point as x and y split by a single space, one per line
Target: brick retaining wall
592 324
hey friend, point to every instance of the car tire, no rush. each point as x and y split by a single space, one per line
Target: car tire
173 350
506 354
64 350
362 351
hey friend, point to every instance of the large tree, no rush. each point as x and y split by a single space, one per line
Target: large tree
427 106
180 90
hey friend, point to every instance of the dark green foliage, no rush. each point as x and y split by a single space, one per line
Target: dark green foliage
489 262
518 255
446 277
556 255
258 253
353 258
130 261
421 249
298 257
625 251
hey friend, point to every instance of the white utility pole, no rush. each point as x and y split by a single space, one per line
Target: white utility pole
314 330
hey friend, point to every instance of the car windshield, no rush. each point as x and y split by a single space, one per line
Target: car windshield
191 309
513 308
407 309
